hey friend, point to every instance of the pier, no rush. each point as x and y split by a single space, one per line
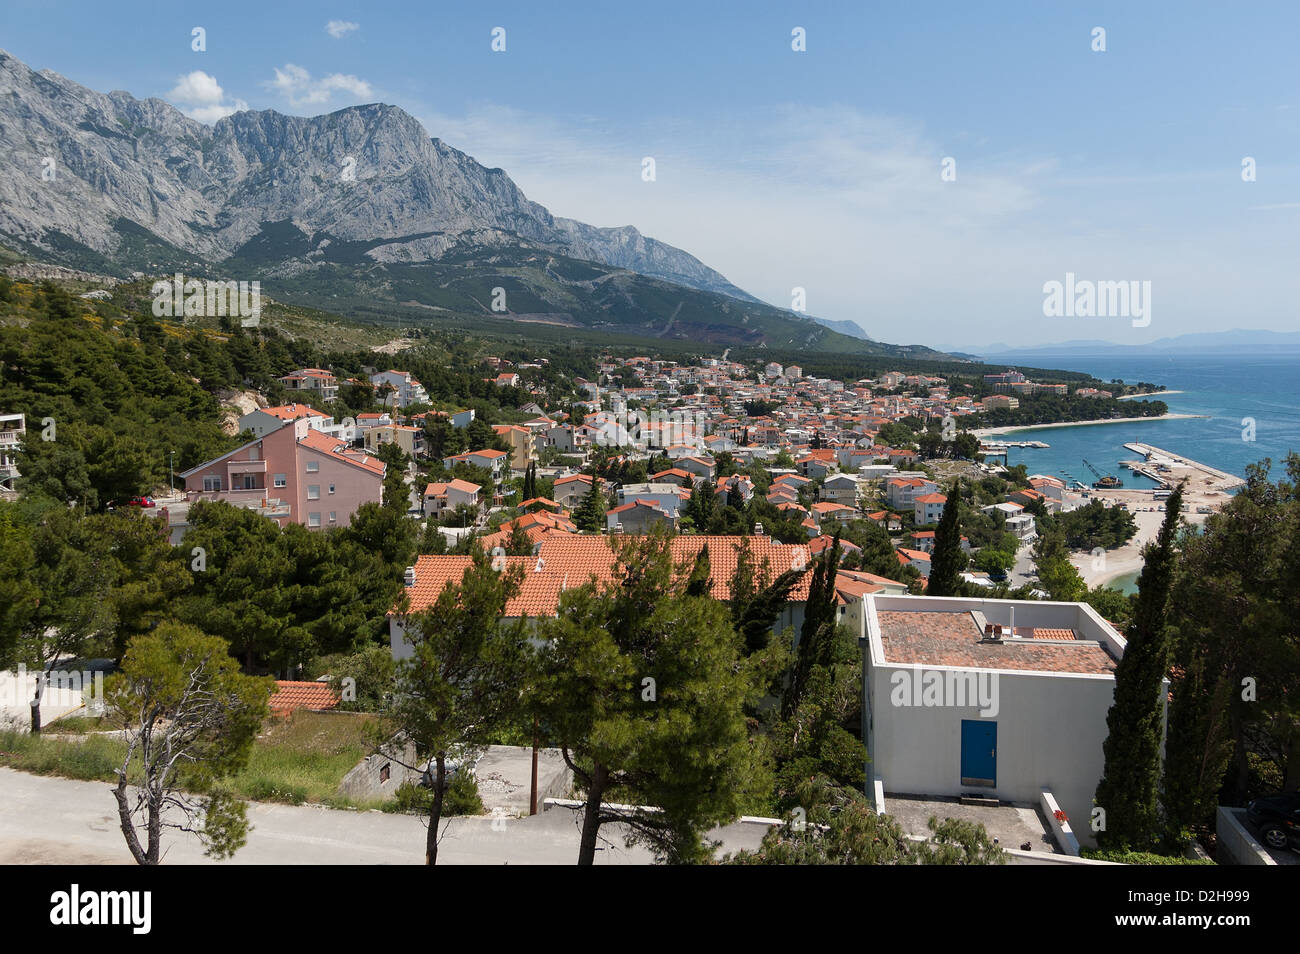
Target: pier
999 448
1169 469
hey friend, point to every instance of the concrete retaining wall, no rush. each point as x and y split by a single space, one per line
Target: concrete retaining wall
1236 845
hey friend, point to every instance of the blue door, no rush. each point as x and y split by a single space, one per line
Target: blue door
979 752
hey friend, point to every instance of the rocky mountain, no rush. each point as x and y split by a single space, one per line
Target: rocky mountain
360 204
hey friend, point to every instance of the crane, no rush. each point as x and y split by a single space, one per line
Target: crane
1109 482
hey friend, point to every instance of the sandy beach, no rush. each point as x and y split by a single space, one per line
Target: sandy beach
990 431
1206 488
1154 395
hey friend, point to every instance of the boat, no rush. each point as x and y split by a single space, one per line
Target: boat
1109 482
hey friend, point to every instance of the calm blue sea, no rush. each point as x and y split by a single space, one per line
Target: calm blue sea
1228 388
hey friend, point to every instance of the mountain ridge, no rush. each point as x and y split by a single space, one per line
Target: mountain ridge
359 197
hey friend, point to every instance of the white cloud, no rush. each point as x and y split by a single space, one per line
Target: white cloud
299 87
201 97
197 89
341 28
852 207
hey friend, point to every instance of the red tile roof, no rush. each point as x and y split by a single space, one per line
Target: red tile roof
291 412
569 560
316 440
946 638
289 696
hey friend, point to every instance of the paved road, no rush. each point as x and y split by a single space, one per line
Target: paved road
1024 571
59 821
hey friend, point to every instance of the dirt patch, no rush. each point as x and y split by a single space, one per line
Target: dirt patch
44 851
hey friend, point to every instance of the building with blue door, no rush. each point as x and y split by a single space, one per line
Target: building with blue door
1001 698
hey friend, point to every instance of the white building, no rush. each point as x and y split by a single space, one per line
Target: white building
398 389
1001 697
12 429
665 496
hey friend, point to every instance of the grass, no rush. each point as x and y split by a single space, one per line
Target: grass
91 760
79 724
303 758
294 760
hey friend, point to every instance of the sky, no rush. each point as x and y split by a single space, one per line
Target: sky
924 170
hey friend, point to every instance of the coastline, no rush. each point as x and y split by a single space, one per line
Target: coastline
1148 396
1012 428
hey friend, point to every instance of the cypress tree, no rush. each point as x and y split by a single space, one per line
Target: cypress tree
947 561
1130 783
699 583
590 515
818 624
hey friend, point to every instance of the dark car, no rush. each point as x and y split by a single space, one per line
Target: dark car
1277 819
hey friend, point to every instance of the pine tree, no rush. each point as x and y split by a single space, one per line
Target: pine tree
699 583
590 515
1130 782
947 561
644 692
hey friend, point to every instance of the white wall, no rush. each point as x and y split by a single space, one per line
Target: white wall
1050 733
1051 726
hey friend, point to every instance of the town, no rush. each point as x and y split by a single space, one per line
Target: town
871 506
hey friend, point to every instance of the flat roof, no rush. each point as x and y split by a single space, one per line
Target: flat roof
954 637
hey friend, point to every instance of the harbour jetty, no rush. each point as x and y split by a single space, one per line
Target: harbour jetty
1169 469
999 448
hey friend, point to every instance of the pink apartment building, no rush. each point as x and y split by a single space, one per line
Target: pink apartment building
295 474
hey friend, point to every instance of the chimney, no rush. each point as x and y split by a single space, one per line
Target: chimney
409 577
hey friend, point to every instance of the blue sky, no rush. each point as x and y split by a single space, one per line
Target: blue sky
818 169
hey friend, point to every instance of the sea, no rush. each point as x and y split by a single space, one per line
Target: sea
1250 403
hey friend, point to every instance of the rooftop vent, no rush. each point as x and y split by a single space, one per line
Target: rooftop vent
409 577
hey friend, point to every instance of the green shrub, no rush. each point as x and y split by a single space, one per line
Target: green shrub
1122 857
462 798
263 789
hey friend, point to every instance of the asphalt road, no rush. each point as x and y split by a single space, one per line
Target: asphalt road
48 820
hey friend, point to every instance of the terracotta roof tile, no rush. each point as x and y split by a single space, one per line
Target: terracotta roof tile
941 638
289 696
569 560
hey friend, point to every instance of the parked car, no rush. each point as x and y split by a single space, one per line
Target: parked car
1277 819
141 501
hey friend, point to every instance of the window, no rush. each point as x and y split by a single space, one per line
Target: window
247 481
331 488
334 516
280 480
313 466
212 482
313 492
313 520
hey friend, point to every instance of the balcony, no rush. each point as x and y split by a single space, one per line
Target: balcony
244 467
